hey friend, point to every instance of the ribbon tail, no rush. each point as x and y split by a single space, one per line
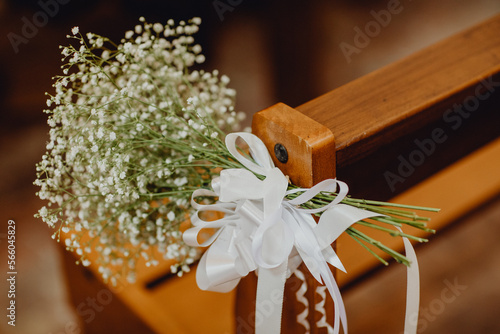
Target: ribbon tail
336 220
308 246
338 302
412 289
269 301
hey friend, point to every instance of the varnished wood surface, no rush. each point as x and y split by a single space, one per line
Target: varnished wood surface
384 105
310 145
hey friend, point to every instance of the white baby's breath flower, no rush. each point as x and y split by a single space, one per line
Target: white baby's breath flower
75 30
171 216
127 125
200 59
158 27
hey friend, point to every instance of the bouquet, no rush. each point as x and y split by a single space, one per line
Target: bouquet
135 129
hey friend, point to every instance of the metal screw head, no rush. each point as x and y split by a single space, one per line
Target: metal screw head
281 153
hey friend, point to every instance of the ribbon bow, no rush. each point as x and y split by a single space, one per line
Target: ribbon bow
262 230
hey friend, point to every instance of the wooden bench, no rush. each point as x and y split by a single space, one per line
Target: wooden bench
424 131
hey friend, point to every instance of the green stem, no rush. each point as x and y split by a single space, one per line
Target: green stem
391 232
397 256
395 205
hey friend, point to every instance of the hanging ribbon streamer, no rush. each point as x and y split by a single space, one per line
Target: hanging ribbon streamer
262 230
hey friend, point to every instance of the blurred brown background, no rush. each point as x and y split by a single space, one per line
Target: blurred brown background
285 51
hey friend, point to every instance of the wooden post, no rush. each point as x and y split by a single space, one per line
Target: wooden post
305 151
309 144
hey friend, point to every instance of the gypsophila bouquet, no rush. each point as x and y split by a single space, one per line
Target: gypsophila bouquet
132 129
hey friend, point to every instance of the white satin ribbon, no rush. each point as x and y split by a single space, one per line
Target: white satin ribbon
261 230
412 288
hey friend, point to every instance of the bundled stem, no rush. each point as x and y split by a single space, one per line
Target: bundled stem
396 215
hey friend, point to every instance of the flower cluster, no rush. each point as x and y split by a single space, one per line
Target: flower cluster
134 129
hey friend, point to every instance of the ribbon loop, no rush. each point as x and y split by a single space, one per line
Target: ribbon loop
263 230
258 151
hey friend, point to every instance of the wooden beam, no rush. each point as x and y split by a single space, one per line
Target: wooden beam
378 119
404 96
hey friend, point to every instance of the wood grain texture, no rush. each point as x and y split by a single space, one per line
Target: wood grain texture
402 97
310 145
